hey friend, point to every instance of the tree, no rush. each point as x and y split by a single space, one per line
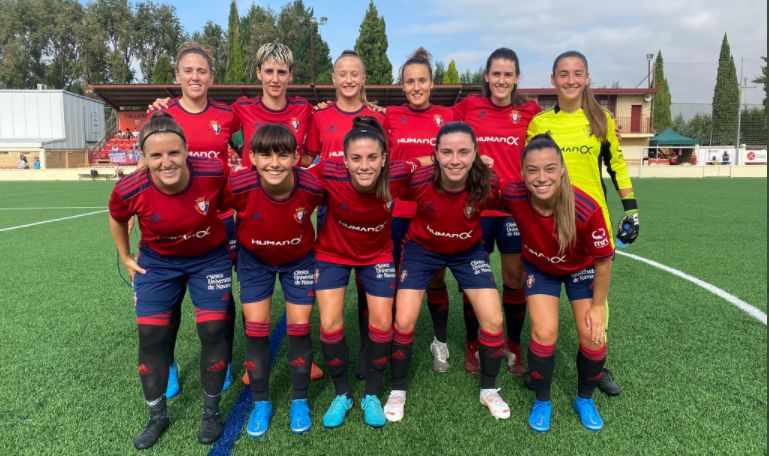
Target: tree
753 128
257 28
158 32
699 127
163 73
116 18
452 76
661 105
371 46
439 72
213 36
236 72
763 80
294 24
726 98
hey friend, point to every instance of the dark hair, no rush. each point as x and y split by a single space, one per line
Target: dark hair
273 138
351 53
477 184
192 47
593 110
365 127
504 53
564 211
160 122
419 57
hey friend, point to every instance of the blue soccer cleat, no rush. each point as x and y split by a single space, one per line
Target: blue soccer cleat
588 414
259 420
227 379
337 411
300 416
539 418
173 388
373 414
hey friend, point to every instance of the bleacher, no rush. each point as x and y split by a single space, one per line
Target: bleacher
125 145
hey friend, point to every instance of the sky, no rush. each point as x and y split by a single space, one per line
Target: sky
615 35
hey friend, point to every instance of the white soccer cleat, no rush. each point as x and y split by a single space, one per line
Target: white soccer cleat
440 351
494 402
394 408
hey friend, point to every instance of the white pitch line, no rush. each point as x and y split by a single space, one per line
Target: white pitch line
11 228
734 300
48 208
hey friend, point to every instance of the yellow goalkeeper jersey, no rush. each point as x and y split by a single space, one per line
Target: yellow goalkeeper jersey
584 153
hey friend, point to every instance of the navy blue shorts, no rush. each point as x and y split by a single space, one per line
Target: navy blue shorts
471 268
579 285
209 278
377 279
503 231
399 226
232 238
257 278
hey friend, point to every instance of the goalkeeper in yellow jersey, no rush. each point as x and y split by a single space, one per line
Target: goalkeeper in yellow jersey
586 134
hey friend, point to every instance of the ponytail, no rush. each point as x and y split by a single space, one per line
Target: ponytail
593 110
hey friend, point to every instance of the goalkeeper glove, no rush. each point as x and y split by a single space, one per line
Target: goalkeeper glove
627 230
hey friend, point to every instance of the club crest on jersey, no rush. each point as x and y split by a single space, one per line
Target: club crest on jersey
295 123
388 205
482 115
216 127
530 281
299 214
515 116
316 276
201 205
469 211
438 120
404 274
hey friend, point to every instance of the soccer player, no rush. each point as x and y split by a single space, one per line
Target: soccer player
275 234
411 130
208 127
356 235
446 232
499 116
586 134
325 139
565 241
183 241
275 71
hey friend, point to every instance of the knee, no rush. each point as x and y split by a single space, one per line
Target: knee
546 336
211 331
404 325
380 322
152 337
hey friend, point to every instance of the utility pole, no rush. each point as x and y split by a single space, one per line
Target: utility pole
649 58
313 27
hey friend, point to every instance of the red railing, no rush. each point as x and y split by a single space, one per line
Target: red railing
642 125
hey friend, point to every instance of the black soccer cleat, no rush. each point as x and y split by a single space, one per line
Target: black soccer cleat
608 385
157 423
210 423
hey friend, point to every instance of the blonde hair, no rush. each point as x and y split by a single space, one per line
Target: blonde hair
351 53
276 51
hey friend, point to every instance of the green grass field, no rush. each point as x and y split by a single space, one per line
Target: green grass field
693 368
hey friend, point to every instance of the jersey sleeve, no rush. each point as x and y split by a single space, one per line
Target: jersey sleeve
119 209
611 154
460 109
312 144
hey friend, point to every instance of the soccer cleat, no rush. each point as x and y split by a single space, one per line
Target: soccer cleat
608 385
539 418
157 423
227 379
337 411
440 353
472 363
300 416
588 414
514 360
316 373
259 420
360 366
395 406
373 415
494 402
173 388
210 423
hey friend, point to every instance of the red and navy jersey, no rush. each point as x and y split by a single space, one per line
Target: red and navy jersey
411 134
357 226
208 132
275 231
328 127
444 223
540 240
501 133
184 224
253 114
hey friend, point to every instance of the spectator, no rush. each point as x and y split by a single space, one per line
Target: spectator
94 172
118 171
36 164
725 158
120 134
23 163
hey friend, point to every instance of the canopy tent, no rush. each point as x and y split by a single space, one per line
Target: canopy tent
669 138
